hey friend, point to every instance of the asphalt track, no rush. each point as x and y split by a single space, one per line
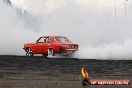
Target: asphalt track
41 72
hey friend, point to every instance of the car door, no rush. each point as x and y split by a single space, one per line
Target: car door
46 44
38 47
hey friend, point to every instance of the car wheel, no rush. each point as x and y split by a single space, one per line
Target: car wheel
68 55
51 52
29 52
86 82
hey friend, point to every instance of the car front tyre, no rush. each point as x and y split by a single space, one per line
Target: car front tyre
51 52
29 52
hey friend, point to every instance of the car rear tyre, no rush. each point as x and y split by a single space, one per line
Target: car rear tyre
29 52
45 55
51 52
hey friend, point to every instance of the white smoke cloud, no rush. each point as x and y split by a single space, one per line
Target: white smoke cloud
115 50
13 31
91 23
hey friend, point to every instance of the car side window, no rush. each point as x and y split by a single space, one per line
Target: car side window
45 40
48 40
41 40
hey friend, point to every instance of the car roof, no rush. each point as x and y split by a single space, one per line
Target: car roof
52 36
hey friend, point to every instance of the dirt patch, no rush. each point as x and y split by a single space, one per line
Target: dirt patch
40 72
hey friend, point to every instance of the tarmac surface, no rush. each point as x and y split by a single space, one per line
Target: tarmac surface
41 72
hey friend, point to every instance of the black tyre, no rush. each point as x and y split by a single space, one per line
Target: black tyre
51 52
45 55
29 52
86 82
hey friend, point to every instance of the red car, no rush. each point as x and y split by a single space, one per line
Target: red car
49 45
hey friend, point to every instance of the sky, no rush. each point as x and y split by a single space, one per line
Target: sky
50 6
90 23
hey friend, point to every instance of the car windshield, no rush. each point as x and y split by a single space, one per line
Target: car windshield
62 39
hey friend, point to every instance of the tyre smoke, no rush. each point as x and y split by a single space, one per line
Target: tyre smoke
90 23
